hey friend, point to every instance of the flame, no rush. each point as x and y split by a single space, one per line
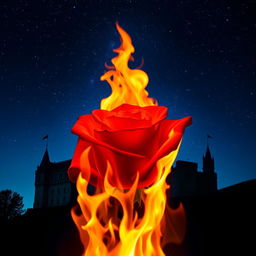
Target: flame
128 85
114 221
104 233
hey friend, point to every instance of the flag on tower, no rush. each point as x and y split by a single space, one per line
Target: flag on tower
45 137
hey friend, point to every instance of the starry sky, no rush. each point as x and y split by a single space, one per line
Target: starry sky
200 57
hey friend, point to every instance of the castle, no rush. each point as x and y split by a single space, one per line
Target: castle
53 188
187 181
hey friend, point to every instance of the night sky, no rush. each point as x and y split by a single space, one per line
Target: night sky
200 57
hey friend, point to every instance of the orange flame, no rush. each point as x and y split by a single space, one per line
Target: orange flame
115 221
103 233
128 85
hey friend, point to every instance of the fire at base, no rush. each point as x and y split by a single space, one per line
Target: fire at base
126 150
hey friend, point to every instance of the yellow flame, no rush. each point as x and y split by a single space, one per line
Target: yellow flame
104 233
128 85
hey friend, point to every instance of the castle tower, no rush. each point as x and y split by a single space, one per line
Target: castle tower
208 161
40 200
46 158
52 186
210 176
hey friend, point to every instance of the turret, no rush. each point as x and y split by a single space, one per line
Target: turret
208 161
45 160
210 176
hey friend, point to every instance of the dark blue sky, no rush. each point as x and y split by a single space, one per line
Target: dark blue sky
200 57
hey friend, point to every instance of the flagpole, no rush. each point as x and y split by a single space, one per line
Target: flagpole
47 143
207 139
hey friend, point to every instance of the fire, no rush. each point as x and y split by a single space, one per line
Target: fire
127 222
128 85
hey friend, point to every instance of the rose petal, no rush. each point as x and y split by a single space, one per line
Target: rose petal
126 117
114 123
84 128
124 168
175 130
138 141
153 113
89 124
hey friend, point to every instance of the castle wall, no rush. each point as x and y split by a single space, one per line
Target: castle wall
39 193
52 185
59 194
186 181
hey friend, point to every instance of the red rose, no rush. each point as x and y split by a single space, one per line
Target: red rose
131 138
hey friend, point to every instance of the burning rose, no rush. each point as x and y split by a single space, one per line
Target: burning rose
126 144
131 138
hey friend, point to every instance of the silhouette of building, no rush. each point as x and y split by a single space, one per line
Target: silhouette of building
53 188
186 180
